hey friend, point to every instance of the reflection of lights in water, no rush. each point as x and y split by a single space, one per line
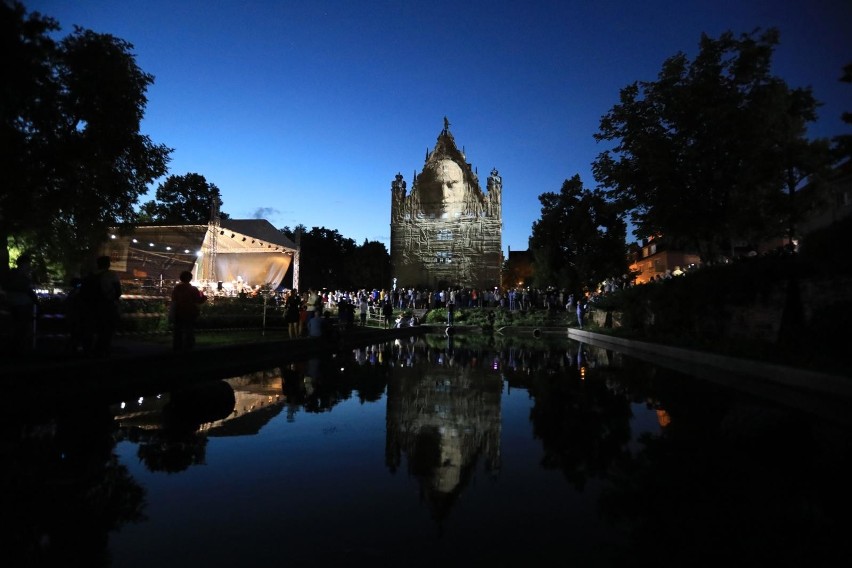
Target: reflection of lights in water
663 418
582 373
496 364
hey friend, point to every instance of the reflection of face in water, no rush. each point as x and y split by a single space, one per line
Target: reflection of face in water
443 189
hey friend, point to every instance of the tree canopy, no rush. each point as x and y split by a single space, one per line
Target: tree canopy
74 161
712 151
579 240
328 260
843 142
183 199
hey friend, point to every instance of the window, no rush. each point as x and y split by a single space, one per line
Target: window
444 257
444 235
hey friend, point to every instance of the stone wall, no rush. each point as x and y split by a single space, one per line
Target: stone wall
762 320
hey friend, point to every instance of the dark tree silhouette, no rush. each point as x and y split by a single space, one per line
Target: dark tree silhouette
710 152
183 199
579 241
74 162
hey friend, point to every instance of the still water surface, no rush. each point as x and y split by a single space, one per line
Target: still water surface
435 452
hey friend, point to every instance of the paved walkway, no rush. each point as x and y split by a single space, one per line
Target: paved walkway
699 362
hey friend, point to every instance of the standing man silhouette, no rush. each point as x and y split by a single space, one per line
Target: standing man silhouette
186 300
101 291
387 312
22 303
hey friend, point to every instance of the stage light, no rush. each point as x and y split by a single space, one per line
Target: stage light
150 244
168 248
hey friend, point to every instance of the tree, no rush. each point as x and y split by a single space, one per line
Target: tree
706 153
368 266
74 162
28 93
843 142
322 254
579 241
295 233
328 260
183 199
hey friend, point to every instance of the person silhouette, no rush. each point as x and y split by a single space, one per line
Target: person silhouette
316 326
292 303
184 309
22 303
100 291
74 315
387 312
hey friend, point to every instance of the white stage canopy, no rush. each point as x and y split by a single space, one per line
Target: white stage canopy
250 252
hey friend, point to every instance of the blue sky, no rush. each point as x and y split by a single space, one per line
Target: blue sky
304 111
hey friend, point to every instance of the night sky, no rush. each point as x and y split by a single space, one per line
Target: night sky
303 112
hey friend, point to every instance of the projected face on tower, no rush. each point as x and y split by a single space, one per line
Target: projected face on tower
442 189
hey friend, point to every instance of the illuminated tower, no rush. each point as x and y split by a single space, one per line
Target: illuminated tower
447 232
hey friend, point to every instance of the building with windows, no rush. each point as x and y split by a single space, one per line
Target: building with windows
654 259
446 232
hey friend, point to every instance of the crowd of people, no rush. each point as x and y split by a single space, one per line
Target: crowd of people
93 312
309 313
372 301
91 315
381 304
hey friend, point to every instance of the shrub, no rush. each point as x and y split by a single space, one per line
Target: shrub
823 248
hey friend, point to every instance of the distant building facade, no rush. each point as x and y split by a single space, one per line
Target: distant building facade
446 232
837 201
518 270
655 260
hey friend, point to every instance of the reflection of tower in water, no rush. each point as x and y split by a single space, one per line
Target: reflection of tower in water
444 420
